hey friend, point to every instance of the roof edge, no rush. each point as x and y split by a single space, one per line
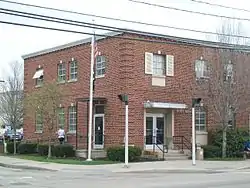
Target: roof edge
69 45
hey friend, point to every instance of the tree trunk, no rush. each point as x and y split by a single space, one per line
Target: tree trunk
224 143
49 149
14 127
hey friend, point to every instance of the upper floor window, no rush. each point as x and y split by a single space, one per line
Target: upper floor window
159 65
200 119
38 76
228 71
73 70
100 66
72 119
201 69
61 72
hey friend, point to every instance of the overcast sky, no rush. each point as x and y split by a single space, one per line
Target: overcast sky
16 41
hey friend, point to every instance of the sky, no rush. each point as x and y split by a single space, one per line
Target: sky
16 41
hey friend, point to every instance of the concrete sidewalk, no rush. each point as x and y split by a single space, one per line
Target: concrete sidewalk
162 166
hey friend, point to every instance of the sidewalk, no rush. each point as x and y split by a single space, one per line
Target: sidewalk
162 166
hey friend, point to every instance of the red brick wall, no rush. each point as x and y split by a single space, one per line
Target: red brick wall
124 74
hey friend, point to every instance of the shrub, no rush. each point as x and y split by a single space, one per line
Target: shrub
235 141
27 148
64 150
43 149
211 151
117 153
10 147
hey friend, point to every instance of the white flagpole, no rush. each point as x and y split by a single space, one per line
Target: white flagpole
91 99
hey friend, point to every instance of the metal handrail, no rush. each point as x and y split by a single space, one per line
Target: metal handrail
164 148
183 142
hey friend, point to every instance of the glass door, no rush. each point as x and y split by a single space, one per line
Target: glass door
154 131
99 131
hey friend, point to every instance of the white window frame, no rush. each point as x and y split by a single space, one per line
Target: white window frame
73 70
198 112
228 71
61 116
158 65
100 66
39 125
201 69
72 115
61 72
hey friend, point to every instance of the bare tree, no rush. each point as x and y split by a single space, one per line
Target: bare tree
228 84
44 102
11 98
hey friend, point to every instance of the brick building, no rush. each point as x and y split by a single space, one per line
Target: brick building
157 76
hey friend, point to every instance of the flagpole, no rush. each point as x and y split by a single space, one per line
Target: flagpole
91 99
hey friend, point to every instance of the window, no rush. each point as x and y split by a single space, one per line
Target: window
61 117
228 71
200 120
39 81
73 70
72 119
159 65
38 76
201 69
39 122
100 66
61 74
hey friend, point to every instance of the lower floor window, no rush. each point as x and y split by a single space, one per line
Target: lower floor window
39 122
200 120
72 119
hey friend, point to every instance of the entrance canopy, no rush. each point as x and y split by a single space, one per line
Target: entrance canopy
164 105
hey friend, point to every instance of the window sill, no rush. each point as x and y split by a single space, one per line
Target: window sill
73 80
158 76
38 86
61 82
71 132
201 132
100 76
38 132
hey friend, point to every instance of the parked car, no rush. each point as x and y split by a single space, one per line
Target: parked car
9 135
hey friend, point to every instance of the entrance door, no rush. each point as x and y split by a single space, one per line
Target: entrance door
99 131
154 131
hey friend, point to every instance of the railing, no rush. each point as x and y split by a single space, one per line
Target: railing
157 143
182 142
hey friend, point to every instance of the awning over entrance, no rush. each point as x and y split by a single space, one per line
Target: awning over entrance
38 74
164 105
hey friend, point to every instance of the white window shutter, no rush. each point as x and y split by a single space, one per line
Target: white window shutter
169 65
148 63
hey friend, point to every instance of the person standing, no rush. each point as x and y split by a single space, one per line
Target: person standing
61 135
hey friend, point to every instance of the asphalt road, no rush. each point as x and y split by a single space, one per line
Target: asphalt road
12 178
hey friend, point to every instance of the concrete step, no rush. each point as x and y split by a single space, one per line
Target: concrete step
176 158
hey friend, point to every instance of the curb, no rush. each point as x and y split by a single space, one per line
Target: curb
194 171
25 167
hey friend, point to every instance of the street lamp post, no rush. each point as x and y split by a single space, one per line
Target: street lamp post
195 101
124 98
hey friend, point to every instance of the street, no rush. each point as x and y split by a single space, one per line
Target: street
12 178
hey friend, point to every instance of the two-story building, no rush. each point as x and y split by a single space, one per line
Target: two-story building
156 72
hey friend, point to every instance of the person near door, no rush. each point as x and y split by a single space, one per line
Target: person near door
61 135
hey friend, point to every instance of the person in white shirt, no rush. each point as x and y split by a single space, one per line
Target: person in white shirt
61 135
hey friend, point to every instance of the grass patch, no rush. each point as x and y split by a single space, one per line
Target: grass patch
224 159
72 161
